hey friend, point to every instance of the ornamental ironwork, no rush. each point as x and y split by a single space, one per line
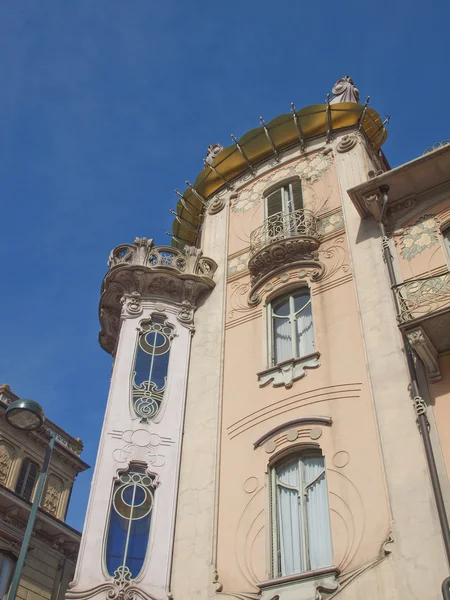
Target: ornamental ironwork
283 225
419 298
150 368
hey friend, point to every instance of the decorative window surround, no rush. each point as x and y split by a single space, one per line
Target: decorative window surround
302 586
288 371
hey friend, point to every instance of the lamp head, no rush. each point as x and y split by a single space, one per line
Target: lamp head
25 414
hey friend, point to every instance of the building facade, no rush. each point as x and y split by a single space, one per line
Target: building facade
52 554
278 374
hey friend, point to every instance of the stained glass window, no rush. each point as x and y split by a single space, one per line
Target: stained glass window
150 369
129 523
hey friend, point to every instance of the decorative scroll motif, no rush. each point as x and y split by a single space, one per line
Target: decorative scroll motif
186 315
216 205
7 454
310 169
347 143
129 524
53 495
213 151
423 296
150 368
287 372
344 90
419 236
141 442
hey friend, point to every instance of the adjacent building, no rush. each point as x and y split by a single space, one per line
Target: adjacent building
53 550
276 423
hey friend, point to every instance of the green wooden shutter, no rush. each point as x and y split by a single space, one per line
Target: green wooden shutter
297 194
274 203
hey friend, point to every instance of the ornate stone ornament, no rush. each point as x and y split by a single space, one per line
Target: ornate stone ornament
6 457
419 236
131 305
287 372
53 495
344 90
422 344
160 273
216 205
213 151
347 143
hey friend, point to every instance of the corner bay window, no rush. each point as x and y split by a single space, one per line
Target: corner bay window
291 332
28 475
300 516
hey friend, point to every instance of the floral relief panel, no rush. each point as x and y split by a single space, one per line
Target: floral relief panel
418 237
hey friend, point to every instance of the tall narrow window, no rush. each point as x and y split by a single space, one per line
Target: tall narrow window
301 527
446 235
151 366
292 334
7 566
282 210
28 475
129 523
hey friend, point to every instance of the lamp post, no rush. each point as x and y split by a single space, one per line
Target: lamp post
28 415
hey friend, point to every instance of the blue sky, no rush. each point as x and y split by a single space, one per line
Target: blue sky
106 106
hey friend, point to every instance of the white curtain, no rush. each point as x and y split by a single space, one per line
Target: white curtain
305 331
319 536
289 520
282 339
7 566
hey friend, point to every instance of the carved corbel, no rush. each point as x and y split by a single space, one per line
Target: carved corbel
372 202
131 305
186 315
422 345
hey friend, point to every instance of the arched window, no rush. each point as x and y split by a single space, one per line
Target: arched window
301 523
291 327
28 475
129 523
150 368
7 566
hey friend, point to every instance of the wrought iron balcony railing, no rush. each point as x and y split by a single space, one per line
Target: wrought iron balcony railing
282 226
420 298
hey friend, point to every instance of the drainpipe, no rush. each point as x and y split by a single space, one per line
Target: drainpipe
419 403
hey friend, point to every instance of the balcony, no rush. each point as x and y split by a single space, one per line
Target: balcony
424 315
142 272
283 239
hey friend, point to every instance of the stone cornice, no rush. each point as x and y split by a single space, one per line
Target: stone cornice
143 271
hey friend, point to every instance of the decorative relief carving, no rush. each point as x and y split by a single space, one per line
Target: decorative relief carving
310 169
250 485
287 372
346 144
344 90
7 454
238 263
419 236
53 494
216 205
186 315
121 587
213 151
141 444
131 305
330 223
425 349
340 459
159 272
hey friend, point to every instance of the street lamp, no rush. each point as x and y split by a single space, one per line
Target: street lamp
28 415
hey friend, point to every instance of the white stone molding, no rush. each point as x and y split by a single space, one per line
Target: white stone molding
131 305
288 371
423 346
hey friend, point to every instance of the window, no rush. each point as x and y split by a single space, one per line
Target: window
291 327
281 204
301 522
7 566
28 475
285 199
150 369
129 523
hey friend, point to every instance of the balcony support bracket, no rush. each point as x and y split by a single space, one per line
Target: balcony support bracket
422 345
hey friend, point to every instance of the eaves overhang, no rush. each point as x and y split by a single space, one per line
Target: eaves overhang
263 142
423 175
